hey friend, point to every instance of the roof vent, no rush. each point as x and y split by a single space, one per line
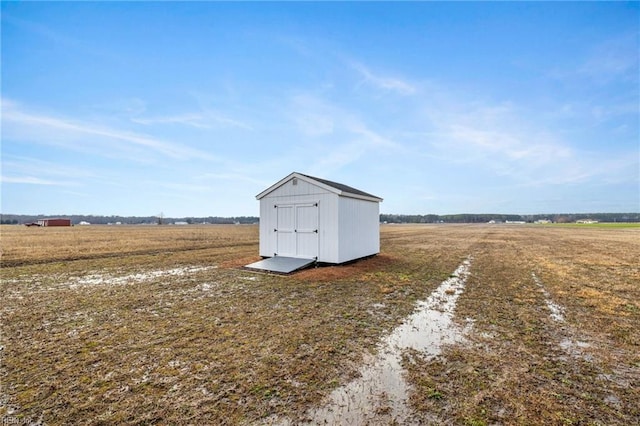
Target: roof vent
295 181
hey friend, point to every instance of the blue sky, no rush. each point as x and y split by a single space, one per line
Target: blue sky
191 109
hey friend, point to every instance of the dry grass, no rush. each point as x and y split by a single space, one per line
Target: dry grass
219 345
24 245
216 346
523 367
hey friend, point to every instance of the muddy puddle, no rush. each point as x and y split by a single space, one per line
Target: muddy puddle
556 312
107 279
380 394
569 342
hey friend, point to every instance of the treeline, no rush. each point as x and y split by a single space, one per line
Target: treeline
484 218
14 219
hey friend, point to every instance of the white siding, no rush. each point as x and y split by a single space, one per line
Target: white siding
359 229
329 229
302 193
288 189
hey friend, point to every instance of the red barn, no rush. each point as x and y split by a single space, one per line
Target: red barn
54 222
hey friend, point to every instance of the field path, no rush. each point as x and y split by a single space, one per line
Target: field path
380 393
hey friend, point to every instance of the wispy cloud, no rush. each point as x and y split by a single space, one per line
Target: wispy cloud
498 139
315 124
20 165
182 187
391 84
312 116
233 177
204 120
124 107
58 38
32 180
360 141
614 58
616 109
347 135
42 128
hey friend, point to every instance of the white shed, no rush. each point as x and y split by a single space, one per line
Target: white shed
306 217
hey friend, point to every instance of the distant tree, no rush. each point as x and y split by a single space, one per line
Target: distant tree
160 218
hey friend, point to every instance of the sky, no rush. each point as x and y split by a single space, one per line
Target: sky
193 108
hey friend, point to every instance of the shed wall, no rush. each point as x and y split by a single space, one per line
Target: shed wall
359 229
301 193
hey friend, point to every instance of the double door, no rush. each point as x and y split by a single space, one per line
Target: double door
297 230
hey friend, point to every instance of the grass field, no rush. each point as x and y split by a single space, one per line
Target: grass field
618 225
140 325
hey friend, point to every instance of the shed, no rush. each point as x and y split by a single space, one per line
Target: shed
306 217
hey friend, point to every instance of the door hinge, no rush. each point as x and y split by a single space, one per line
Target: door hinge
275 230
316 231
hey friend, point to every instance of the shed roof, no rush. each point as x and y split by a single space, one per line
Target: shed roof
335 187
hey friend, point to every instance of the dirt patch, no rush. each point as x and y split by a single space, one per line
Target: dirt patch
358 268
239 262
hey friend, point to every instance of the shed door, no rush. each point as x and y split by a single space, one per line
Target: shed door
307 230
286 238
297 230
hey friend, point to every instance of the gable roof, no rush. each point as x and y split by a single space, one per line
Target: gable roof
335 187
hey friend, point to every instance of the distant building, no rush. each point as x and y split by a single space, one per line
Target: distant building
54 222
84 223
181 223
519 222
542 221
586 221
